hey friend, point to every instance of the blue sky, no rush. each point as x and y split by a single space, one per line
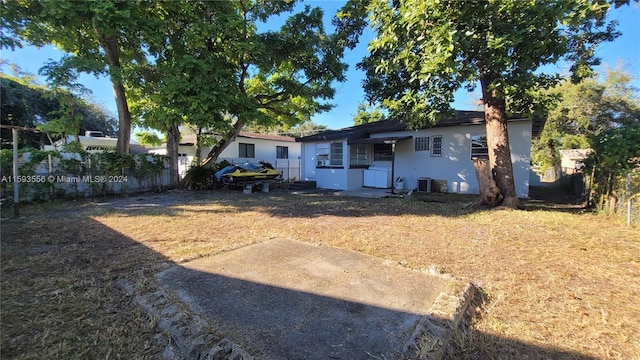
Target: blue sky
624 50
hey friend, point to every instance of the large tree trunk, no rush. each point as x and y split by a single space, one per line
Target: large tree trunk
173 143
498 143
112 51
489 191
198 145
124 119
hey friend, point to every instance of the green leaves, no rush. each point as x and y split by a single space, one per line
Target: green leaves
50 109
618 149
367 114
601 115
148 138
426 48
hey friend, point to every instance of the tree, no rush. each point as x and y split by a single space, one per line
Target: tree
583 112
601 115
367 114
67 118
29 105
215 71
190 79
99 37
426 50
148 138
616 154
307 128
281 77
303 129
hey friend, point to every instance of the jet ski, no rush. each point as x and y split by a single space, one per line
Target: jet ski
248 172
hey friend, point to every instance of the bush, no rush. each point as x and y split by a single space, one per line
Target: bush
202 177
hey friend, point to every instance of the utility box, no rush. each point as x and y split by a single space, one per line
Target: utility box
424 184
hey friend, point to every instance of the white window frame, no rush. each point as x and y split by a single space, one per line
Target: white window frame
422 143
436 145
336 154
358 155
477 150
282 150
246 147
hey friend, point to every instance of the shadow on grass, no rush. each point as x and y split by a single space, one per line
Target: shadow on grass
283 204
471 344
59 300
555 198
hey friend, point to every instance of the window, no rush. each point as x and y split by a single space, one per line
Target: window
247 150
479 148
382 152
282 152
436 148
358 155
336 154
322 154
422 143
328 155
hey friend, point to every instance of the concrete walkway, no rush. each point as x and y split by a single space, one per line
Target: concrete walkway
288 300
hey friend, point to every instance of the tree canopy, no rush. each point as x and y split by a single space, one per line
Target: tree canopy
367 114
306 128
284 76
201 63
602 115
425 50
583 112
213 69
29 105
98 37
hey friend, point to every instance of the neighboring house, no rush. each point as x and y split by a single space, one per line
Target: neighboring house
282 152
376 154
95 141
572 160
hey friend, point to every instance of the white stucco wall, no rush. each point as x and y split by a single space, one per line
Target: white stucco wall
331 177
455 164
265 150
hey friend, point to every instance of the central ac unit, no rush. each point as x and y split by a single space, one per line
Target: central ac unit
424 185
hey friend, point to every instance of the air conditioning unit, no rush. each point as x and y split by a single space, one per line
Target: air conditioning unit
424 185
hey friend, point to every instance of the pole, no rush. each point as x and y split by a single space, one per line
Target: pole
16 196
629 199
393 167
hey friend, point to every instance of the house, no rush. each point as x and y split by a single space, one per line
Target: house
380 153
283 152
572 160
571 163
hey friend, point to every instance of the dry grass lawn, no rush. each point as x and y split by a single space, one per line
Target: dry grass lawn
555 282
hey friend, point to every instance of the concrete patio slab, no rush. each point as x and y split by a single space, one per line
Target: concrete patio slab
283 299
